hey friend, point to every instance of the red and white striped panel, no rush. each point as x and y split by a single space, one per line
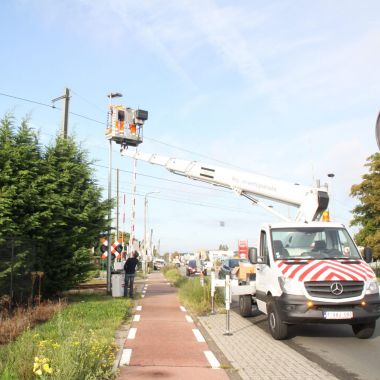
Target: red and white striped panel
326 270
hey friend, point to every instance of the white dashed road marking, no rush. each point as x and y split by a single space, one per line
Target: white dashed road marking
182 308
214 363
136 318
132 333
126 357
198 336
139 308
189 319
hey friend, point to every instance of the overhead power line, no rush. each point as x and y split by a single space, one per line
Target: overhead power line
189 202
103 123
28 100
164 179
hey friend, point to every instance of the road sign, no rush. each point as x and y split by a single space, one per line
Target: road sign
116 248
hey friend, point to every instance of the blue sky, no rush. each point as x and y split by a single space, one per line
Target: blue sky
288 89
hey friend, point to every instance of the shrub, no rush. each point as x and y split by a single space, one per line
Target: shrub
195 296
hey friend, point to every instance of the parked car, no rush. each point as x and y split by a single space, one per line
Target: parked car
228 265
192 268
195 267
158 264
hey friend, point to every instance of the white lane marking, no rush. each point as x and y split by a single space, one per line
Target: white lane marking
214 363
188 318
139 308
136 318
182 308
126 357
198 336
132 333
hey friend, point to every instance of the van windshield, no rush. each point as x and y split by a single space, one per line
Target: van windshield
313 244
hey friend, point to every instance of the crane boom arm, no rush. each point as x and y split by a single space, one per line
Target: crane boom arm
310 201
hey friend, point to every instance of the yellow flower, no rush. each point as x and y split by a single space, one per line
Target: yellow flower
38 372
47 368
55 345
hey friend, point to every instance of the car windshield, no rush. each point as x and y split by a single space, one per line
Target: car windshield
313 244
192 264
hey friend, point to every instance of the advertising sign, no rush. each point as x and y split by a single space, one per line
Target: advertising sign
243 249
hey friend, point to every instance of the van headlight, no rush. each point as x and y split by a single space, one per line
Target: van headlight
372 287
289 286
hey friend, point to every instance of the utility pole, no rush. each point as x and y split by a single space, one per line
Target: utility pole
145 236
117 204
65 113
109 124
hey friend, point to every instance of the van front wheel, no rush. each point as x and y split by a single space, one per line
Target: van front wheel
278 329
364 330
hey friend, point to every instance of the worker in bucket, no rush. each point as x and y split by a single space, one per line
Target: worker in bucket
130 271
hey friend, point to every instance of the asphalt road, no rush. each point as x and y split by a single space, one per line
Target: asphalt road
334 347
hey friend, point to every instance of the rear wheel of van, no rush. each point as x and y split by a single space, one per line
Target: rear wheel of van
245 305
364 330
278 329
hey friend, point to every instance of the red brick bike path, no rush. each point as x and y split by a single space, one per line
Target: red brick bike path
164 344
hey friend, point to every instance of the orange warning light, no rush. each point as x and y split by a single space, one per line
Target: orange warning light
326 216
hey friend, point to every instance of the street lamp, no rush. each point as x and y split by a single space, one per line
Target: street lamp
145 222
331 176
111 95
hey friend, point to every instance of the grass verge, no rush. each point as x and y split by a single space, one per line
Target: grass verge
76 344
194 296
26 318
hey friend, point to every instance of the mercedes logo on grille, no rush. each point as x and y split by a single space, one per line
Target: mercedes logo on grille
336 288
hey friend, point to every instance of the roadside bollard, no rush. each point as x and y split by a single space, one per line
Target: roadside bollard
228 304
212 292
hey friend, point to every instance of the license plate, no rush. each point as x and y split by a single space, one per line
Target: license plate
338 314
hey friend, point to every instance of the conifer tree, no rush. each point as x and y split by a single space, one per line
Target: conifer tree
367 213
50 203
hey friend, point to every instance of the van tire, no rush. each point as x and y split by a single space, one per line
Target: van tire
277 328
364 330
245 305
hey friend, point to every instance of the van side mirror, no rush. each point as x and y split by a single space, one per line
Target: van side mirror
252 255
367 253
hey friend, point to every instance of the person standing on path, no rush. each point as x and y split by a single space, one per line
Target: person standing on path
130 270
